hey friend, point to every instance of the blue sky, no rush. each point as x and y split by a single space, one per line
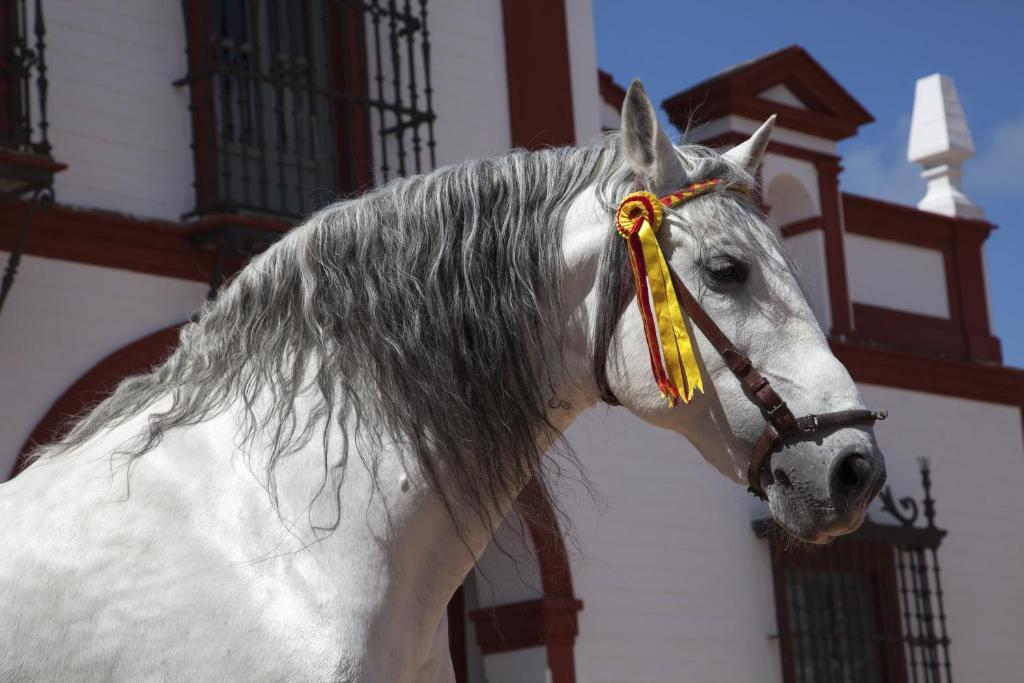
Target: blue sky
876 50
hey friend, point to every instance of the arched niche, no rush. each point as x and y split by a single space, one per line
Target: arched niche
789 200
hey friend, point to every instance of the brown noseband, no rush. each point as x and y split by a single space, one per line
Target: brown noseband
782 426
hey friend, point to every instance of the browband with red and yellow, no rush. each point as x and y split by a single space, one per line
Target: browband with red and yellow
673 361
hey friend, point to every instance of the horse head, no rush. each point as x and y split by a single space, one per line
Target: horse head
818 481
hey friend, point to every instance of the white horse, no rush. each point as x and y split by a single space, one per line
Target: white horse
209 521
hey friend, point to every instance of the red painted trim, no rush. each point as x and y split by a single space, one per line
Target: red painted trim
802 226
832 112
551 621
457 635
612 93
46 164
835 256
521 625
539 76
202 105
352 115
911 332
942 376
112 240
92 387
960 241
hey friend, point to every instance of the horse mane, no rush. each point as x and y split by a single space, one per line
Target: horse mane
423 312
421 315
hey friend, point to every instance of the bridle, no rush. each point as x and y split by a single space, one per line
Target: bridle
782 426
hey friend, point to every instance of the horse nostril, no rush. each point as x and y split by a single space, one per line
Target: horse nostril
851 476
781 478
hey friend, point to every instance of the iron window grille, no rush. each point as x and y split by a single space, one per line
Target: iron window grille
26 166
23 80
297 102
867 608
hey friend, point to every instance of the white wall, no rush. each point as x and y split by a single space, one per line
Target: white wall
60 319
894 275
586 97
977 458
676 587
808 250
470 91
115 118
124 130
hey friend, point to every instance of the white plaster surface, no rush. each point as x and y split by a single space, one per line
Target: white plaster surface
742 124
899 276
977 459
798 196
508 571
60 319
529 665
586 97
674 584
115 118
611 118
808 250
470 93
782 95
940 141
676 587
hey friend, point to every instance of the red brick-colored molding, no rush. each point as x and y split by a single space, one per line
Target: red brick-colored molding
113 240
612 93
912 371
801 226
520 625
960 241
539 77
831 113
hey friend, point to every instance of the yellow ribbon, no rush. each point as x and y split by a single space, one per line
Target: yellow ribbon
639 218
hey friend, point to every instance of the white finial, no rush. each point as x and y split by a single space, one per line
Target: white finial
941 142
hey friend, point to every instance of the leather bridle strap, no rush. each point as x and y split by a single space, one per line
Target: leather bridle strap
782 425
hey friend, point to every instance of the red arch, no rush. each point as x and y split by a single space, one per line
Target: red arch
550 622
99 381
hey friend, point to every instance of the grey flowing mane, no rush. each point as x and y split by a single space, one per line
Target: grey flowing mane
425 312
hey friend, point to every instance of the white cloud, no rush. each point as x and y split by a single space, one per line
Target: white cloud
996 171
882 170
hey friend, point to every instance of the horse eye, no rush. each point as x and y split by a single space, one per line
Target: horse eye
726 270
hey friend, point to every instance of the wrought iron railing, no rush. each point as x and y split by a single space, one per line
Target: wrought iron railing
295 103
26 167
23 81
869 607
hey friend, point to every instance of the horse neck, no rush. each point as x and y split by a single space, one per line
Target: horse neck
382 544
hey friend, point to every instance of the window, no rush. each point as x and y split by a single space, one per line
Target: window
867 608
297 102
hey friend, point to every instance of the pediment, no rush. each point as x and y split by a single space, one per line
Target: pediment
788 82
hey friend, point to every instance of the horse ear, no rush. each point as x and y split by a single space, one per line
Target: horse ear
652 156
748 154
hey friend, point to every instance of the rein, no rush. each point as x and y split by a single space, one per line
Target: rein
673 362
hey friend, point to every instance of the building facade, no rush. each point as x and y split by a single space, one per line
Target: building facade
178 138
